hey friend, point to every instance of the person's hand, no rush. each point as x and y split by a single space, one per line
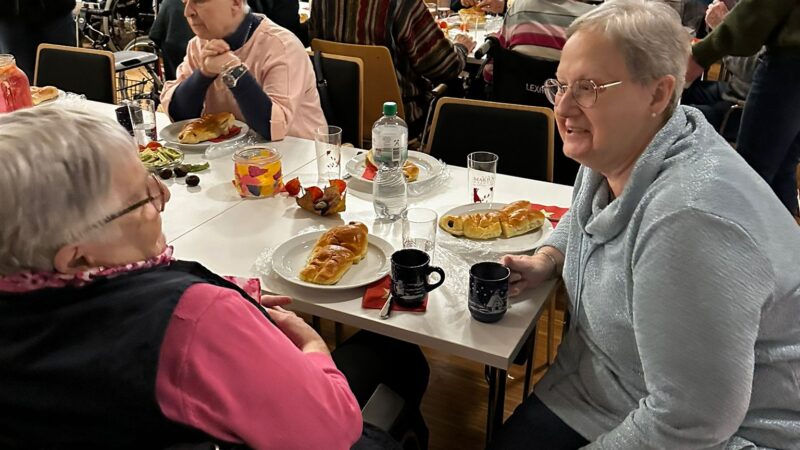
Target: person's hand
466 41
693 70
526 271
271 301
492 6
469 3
215 57
298 331
715 13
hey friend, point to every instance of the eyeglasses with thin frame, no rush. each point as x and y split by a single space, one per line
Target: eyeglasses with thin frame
584 92
158 200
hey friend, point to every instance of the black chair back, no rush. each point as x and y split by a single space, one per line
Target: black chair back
519 79
340 85
78 70
521 135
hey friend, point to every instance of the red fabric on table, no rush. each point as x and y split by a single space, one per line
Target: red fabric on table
379 291
556 211
233 131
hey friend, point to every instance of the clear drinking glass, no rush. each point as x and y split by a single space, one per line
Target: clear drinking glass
482 171
419 229
328 144
143 120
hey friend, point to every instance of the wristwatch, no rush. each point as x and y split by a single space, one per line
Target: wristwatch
232 76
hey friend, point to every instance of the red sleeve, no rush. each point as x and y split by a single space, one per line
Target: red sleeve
228 371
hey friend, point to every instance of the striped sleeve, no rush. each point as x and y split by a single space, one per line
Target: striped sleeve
429 51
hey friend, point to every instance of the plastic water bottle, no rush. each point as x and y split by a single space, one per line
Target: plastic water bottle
390 144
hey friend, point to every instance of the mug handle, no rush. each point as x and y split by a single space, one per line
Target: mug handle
428 272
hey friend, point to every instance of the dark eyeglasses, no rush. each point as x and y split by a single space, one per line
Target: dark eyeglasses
155 194
584 92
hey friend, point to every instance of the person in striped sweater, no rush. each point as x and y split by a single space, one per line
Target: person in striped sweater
422 54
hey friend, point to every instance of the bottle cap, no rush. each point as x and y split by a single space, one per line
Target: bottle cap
390 109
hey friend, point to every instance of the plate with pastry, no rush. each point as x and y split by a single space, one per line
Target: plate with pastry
504 227
197 134
342 257
45 95
418 168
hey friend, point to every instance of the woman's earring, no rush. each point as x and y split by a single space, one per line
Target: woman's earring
652 114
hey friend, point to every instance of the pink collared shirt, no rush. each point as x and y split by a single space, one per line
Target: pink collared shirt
280 64
228 371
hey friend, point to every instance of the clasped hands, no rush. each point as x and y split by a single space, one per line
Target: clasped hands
216 57
489 6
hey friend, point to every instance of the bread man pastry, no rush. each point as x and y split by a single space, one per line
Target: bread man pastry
513 220
482 225
210 126
334 252
43 94
518 218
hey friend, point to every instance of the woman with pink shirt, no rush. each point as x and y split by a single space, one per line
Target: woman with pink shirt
106 341
245 64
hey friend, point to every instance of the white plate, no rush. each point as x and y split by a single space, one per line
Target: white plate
170 134
291 256
61 95
516 244
429 167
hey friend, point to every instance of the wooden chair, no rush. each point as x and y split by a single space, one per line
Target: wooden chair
340 81
521 135
78 70
380 79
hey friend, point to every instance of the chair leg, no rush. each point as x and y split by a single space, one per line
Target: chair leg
338 332
316 324
526 386
551 329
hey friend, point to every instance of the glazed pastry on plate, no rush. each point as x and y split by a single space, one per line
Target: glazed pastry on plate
334 252
210 126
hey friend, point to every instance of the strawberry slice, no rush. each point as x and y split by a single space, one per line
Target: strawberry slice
293 186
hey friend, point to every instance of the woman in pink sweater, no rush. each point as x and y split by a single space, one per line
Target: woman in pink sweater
245 64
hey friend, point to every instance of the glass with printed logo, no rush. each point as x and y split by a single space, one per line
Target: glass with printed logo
481 173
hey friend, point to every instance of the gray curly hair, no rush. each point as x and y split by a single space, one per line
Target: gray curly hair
55 179
649 35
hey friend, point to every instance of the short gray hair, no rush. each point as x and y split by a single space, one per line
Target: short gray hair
649 35
55 180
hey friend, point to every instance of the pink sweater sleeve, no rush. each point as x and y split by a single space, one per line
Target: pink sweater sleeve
227 370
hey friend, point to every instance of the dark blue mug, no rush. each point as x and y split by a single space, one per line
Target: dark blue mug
488 291
410 270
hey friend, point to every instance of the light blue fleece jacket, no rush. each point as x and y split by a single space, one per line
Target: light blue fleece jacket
685 298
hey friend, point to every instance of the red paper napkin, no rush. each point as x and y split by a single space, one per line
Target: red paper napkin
379 291
369 171
233 131
556 212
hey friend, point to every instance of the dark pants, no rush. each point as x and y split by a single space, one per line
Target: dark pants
707 97
534 426
22 39
769 137
368 359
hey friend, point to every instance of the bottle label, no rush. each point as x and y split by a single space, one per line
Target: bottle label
390 147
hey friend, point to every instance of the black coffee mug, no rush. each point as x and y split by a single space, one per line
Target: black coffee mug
410 270
488 291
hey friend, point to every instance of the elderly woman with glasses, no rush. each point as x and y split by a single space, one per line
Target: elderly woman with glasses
107 342
679 262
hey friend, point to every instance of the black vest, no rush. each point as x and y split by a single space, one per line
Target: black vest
78 365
